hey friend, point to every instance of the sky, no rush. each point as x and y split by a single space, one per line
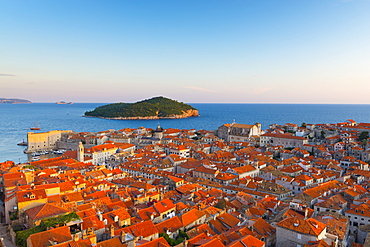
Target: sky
194 51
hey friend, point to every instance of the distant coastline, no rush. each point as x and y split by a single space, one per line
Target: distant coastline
14 101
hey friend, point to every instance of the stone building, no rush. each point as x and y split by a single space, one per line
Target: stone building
284 140
44 141
238 132
294 232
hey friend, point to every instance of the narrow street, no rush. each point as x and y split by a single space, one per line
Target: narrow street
4 233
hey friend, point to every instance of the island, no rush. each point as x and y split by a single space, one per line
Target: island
154 108
64 103
14 101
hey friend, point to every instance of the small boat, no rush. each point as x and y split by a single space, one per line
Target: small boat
35 158
23 143
36 127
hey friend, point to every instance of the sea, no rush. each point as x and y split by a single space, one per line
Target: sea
16 119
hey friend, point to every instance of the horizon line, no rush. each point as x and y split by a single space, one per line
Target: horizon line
255 103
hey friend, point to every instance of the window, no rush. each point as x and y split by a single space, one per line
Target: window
299 236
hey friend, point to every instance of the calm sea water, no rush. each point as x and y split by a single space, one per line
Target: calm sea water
16 119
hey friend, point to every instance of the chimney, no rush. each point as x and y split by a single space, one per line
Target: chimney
84 234
111 230
306 214
135 240
122 237
76 237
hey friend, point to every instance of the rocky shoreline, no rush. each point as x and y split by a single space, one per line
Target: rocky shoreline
187 114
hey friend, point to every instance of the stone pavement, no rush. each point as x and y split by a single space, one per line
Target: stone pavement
4 233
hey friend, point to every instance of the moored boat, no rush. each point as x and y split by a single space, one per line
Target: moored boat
35 158
23 143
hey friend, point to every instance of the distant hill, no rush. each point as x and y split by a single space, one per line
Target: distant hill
14 101
154 108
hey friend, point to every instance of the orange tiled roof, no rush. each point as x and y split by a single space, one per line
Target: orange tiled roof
92 222
309 226
101 148
172 224
144 229
79 243
44 211
147 213
164 206
225 176
86 213
361 210
248 241
319 243
110 243
31 195
191 216
244 169
263 228
228 219
159 242
58 235
210 243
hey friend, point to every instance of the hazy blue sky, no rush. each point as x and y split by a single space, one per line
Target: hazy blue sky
259 51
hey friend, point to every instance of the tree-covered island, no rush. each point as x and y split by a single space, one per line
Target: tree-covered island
154 108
